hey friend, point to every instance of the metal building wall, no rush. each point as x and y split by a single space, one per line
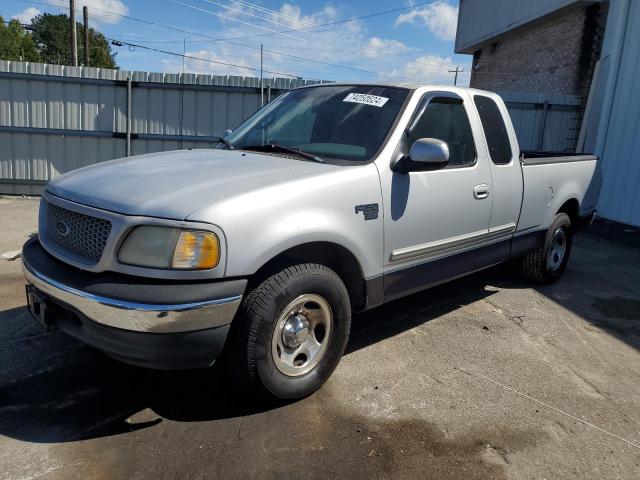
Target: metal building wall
481 20
618 122
56 118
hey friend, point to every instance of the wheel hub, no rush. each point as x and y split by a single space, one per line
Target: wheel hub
301 334
558 249
295 331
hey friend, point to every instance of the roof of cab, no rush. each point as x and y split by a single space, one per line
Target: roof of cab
406 85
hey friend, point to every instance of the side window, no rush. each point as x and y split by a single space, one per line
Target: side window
494 129
446 119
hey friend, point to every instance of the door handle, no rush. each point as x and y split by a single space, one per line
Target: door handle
480 192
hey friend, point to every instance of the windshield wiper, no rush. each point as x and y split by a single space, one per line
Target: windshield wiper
274 147
226 143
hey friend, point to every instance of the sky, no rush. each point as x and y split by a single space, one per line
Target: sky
311 39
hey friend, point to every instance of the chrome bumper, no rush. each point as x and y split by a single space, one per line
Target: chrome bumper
138 317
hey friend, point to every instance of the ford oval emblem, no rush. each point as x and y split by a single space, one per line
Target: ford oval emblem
62 228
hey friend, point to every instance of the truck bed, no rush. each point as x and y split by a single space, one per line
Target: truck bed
552 178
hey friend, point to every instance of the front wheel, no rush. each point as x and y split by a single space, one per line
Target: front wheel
291 332
547 263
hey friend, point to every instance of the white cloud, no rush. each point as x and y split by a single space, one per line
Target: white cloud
348 44
376 47
365 57
295 16
287 17
429 69
27 14
100 10
208 63
439 17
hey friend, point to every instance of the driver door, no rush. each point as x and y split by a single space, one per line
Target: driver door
437 222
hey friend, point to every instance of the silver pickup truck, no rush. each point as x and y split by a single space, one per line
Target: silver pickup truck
330 200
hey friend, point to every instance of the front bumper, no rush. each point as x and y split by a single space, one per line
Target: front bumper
154 323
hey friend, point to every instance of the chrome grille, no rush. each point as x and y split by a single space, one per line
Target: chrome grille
82 235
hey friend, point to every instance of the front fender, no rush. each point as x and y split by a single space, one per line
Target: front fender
259 225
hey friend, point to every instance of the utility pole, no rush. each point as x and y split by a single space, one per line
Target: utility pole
456 71
184 54
74 33
85 15
261 77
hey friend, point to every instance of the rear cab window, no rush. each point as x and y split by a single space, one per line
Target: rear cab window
495 130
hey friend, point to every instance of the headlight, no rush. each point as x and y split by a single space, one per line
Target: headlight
166 247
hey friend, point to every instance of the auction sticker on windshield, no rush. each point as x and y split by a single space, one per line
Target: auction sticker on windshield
366 99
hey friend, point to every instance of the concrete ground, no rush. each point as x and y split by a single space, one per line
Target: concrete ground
486 377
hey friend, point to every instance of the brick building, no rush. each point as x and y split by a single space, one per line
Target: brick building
588 48
556 55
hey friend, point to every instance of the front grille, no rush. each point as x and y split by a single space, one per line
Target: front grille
82 235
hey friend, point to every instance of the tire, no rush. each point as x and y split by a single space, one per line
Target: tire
263 359
547 263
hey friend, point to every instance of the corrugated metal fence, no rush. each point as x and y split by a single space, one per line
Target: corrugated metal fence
544 122
56 118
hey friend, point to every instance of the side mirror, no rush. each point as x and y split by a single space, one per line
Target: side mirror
430 151
226 133
425 154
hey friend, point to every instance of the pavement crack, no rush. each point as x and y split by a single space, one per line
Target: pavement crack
557 410
494 454
239 433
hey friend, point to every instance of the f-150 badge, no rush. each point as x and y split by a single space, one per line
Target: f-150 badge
370 210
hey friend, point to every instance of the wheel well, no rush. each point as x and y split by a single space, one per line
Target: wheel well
572 208
336 257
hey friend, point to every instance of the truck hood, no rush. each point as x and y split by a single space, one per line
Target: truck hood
174 184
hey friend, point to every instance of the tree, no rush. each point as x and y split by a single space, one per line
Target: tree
52 34
16 43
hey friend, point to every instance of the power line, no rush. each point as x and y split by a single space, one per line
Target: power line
337 22
128 17
26 26
307 49
239 10
275 12
296 57
214 39
288 55
191 57
413 52
434 65
225 17
145 39
130 44
320 62
120 43
377 14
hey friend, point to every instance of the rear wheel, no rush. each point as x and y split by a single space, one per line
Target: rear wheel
547 263
291 332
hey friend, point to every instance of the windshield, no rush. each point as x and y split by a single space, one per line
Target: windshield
341 122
